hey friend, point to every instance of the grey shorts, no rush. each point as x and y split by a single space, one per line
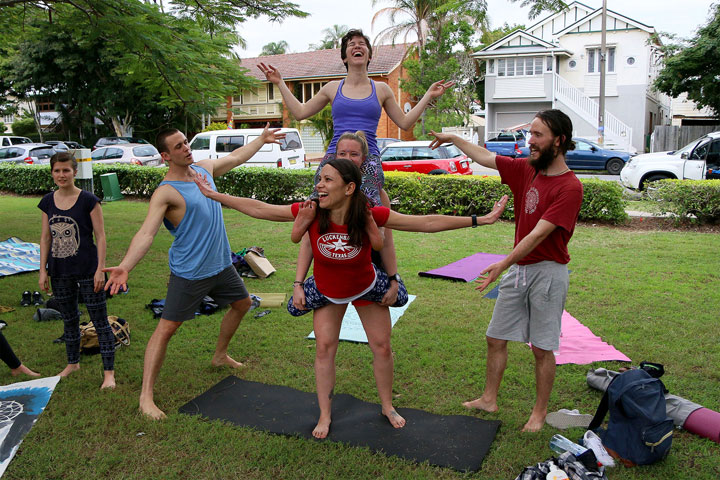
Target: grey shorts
530 304
184 296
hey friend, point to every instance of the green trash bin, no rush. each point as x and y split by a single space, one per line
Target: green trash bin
111 187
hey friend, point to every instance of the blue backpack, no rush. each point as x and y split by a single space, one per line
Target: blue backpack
639 430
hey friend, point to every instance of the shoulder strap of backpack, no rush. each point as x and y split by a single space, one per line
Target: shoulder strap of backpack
600 413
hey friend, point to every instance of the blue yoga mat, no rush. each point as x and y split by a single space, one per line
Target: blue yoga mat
352 329
17 256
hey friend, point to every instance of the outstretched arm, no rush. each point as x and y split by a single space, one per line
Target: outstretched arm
299 110
222 165
440 223
480 155
140 243
248 206
407 120
521 250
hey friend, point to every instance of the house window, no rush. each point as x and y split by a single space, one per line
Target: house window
491 65
572 64
311 89
548 66
270 92
522 66
44 104
593 55
631 61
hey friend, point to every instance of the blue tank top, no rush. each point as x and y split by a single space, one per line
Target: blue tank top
351 115
201 248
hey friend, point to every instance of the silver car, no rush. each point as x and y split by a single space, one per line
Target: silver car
27 154
128 153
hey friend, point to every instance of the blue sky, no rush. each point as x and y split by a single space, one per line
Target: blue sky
678 17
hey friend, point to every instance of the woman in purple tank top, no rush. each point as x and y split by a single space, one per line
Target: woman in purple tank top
357 103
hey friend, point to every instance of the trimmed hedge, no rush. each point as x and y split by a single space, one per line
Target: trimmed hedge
688 200
410 193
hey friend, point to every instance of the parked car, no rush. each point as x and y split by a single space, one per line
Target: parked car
507 143
699 159
384 142
419 157
128 153
27 153
289 153
65 145
117 140
7 140
588 155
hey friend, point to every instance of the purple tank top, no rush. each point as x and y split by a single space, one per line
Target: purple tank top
351 115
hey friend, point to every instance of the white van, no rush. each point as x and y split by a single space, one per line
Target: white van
290 153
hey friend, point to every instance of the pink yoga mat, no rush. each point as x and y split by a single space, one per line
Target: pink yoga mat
704 422
466 269
580 346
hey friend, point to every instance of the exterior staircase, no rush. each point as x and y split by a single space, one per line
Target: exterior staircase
617 133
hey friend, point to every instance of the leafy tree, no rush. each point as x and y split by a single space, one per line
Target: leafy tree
215 126
275 48
124 60
24 126
2 127
323 123
692 66
333 37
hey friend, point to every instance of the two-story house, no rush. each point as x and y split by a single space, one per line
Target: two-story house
305 73
555 63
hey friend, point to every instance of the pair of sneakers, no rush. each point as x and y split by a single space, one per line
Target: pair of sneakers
34 298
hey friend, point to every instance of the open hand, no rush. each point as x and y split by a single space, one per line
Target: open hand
271 135
440 138
117 281
489 275
438 88
271 73
202 182
496 212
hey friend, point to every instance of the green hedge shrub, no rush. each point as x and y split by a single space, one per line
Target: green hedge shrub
688 200
410 193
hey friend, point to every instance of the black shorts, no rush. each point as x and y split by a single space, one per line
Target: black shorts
184 296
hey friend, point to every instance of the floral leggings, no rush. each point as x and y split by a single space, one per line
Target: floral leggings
65 291
314 299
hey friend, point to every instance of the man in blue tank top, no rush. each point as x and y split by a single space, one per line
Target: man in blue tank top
199 257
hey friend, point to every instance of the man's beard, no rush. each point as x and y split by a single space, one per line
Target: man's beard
544 159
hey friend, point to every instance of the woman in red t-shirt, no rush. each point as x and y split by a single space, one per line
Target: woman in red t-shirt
339 226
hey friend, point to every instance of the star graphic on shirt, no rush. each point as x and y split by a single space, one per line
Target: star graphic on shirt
340 245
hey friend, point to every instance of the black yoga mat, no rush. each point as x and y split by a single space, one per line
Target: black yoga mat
456 441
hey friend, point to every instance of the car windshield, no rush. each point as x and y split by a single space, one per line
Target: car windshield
453 151
688 148
144 151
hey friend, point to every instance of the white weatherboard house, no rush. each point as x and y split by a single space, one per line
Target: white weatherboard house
555 64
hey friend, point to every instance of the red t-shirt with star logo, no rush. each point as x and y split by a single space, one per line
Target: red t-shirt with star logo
556 199
342 270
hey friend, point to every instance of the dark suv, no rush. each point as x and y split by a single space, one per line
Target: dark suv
104 141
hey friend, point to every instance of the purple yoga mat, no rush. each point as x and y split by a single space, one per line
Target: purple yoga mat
704 422
466 269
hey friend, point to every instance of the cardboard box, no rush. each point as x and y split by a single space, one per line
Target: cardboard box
260 265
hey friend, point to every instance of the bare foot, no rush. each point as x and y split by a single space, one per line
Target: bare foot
322 428
71 367
225 361
151 410
23 370
395 419
109 380
480 404
535 423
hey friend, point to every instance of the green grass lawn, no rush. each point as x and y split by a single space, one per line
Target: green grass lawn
651 294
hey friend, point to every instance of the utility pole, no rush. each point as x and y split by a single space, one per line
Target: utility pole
603 52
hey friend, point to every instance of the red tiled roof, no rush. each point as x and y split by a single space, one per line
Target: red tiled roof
325 63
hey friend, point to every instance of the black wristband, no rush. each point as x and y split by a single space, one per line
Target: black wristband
474 220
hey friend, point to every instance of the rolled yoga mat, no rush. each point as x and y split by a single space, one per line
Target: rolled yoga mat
466 269
704 422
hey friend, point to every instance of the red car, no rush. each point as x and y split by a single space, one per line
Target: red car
418 157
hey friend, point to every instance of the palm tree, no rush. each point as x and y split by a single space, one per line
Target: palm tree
414 18
333 37
275 48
